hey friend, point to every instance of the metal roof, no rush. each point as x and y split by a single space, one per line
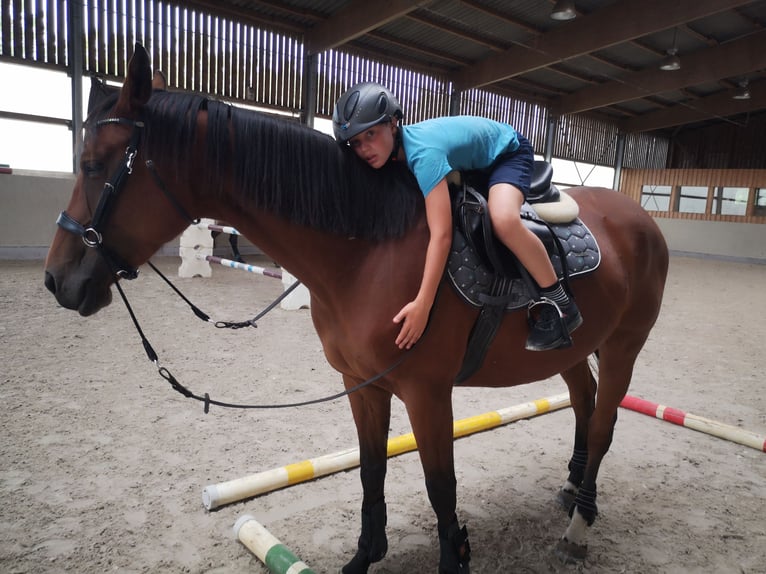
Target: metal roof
604 62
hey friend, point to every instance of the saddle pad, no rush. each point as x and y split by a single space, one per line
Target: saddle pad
474 281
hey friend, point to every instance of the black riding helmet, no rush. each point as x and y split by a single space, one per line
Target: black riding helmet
361 107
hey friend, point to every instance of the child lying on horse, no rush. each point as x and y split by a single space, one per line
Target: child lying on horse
367 118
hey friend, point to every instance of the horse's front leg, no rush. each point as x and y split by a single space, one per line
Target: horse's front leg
371 408
431 419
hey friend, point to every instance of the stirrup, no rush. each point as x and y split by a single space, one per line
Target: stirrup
564 338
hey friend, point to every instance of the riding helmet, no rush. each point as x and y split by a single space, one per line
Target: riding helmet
361 107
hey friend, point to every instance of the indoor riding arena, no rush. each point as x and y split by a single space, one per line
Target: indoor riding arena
115 461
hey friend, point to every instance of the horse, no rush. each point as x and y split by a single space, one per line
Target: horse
357 238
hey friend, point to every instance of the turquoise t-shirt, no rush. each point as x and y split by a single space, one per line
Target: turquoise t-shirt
437 146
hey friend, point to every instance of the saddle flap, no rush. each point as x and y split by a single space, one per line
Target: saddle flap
473 218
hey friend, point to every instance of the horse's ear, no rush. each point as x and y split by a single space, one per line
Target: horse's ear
138 84
159 81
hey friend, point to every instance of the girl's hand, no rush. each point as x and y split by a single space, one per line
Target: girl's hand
413 316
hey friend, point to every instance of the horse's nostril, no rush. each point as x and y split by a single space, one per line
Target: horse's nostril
50 282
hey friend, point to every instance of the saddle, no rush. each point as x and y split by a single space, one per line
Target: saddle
488 276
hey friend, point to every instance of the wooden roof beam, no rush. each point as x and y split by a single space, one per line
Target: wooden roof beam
735 58
410 48
720 105
491 43
356 19
613 24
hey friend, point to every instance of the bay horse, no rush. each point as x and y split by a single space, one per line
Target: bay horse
356 238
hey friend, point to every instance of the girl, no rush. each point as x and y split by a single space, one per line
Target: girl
367 117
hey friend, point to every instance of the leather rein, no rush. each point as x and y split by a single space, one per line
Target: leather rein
92 236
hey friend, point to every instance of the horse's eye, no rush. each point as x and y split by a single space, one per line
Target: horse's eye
92 168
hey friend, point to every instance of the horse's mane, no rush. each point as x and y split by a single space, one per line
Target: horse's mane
278 165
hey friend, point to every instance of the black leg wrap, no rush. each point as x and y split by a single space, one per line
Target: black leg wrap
455 550
577 466
372 545
585 501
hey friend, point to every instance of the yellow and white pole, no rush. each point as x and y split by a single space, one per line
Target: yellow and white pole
217 495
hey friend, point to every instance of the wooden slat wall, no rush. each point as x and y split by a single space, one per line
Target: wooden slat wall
583 138
421 96
33 31
633 180
529 119
645 151
738 143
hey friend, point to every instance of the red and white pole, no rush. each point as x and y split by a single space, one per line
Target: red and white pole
694 422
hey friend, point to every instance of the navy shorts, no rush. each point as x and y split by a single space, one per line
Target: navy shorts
514 167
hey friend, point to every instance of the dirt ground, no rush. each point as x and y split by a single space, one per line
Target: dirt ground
103 464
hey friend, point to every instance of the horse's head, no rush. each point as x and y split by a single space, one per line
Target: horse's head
113 222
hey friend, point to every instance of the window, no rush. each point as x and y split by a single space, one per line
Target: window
692 199
759 209
655 197
29 144
730 200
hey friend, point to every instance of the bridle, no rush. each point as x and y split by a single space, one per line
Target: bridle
92 235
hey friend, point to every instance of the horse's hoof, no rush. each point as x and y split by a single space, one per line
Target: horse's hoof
359 564
566 498
455 550
569 552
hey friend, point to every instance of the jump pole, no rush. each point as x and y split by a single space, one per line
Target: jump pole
269 550
275 273
219 228
217 495
694 422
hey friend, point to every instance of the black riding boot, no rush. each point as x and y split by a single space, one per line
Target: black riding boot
552 326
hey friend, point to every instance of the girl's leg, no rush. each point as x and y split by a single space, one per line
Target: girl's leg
505 202
547 331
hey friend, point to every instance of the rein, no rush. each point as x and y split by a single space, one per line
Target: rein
176 385
92 237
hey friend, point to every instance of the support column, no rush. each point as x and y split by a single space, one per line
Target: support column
75 51
309 90
454 103
618 156
550 137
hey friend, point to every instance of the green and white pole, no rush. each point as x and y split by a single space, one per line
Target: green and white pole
269 550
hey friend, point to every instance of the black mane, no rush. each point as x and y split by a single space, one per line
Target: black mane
279 165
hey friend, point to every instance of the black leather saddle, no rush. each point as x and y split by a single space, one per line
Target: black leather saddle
488 276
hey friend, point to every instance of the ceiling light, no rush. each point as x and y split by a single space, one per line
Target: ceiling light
743 92
671 62
564 10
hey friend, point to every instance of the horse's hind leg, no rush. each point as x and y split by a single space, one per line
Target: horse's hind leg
582 394
371 408
616 359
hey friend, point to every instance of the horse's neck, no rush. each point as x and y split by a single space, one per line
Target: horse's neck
334 268
318 259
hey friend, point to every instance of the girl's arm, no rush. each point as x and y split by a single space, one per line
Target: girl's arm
414 315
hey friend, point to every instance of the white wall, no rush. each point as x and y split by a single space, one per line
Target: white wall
740 241
29 206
